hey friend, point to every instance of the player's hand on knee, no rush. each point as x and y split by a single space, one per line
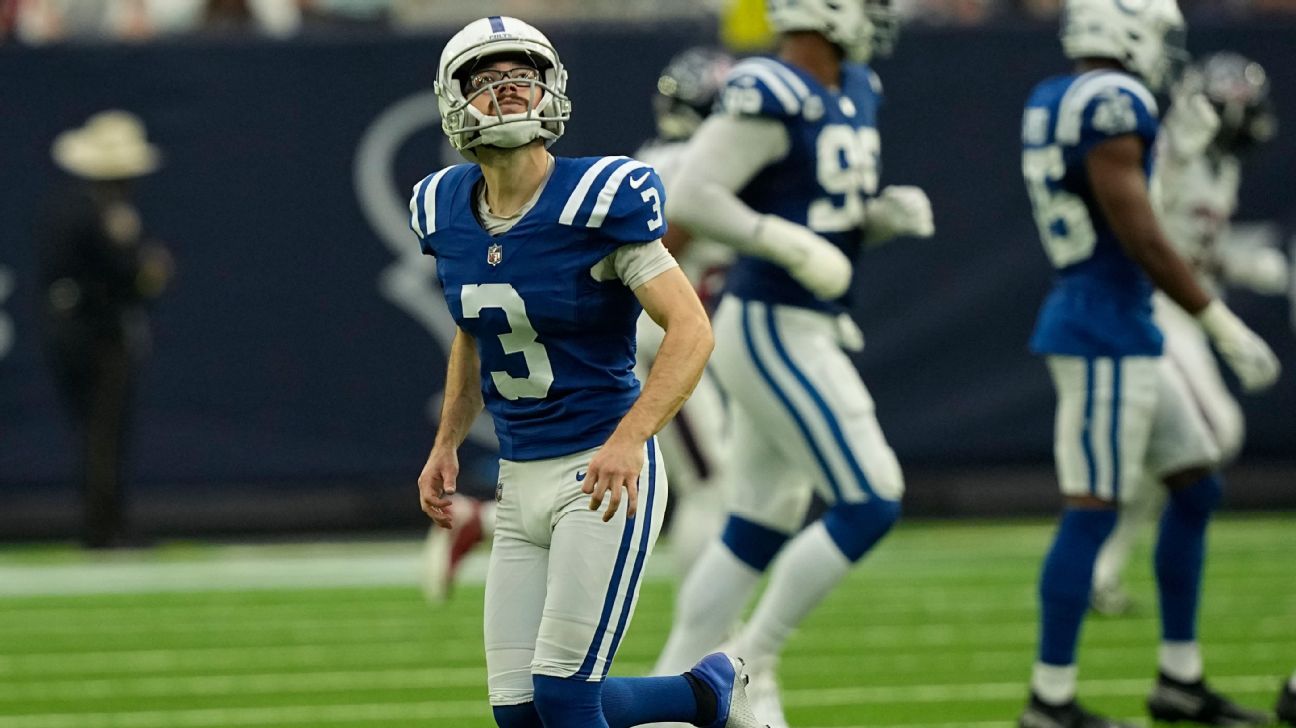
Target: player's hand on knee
437 483
614 468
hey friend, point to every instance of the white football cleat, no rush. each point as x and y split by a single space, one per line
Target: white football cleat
725 675
445 549
764 693
1111 600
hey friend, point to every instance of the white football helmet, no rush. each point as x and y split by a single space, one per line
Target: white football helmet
862 28
468 127
1145 36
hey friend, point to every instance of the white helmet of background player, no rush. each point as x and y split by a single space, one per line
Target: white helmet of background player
861 28
480 42
687 89
1238 88
1145 36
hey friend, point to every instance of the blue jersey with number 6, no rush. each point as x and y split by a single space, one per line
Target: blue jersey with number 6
1101 302
557 345
831 167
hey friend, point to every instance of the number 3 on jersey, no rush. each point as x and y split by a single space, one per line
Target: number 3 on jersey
847 166
1064 224
520 339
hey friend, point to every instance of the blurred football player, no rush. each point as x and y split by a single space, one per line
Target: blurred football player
692 443
1124 411
546 264
1286 708
786 172
1220 111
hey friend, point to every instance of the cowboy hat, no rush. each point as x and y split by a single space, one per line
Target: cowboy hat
111 145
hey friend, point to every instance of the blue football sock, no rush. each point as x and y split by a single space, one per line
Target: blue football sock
1065 581
563 702
517 716
1181 554
856 527
629 701
753 544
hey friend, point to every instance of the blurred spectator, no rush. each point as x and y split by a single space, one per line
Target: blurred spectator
97 271
275 18
947 12
47 21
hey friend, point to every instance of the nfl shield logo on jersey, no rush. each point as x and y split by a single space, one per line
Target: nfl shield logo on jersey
494 254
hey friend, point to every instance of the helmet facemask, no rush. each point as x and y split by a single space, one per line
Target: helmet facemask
468 127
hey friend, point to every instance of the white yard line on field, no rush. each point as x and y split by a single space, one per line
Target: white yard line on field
395 712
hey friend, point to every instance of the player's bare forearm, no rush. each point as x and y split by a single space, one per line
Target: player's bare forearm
669 300
1121 188
463 399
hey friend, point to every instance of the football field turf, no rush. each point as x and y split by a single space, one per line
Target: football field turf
936 628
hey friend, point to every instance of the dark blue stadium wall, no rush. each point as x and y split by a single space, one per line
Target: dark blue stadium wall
302 343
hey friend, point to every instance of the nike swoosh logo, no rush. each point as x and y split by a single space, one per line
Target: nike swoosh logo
580 477
637 183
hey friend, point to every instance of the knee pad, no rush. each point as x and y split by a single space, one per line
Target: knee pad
1200 499
856 527
571 701
753 544
517 716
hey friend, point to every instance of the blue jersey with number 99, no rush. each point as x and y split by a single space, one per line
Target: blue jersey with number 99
830 170
555 338
1101 303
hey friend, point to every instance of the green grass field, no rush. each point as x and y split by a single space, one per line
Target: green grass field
936 628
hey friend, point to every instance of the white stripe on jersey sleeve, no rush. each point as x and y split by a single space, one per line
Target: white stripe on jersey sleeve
789 77
577 198
429 205
772 81
608 193
1071 109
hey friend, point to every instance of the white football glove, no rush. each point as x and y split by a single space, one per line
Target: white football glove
898 210
813 262
1243 350
1260 269
1190 125
849 335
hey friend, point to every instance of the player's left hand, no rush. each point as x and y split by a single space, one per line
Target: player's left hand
1243 350
898 210
616 466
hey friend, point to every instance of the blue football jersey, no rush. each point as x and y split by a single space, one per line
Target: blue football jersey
1101 302
830 170
557 347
